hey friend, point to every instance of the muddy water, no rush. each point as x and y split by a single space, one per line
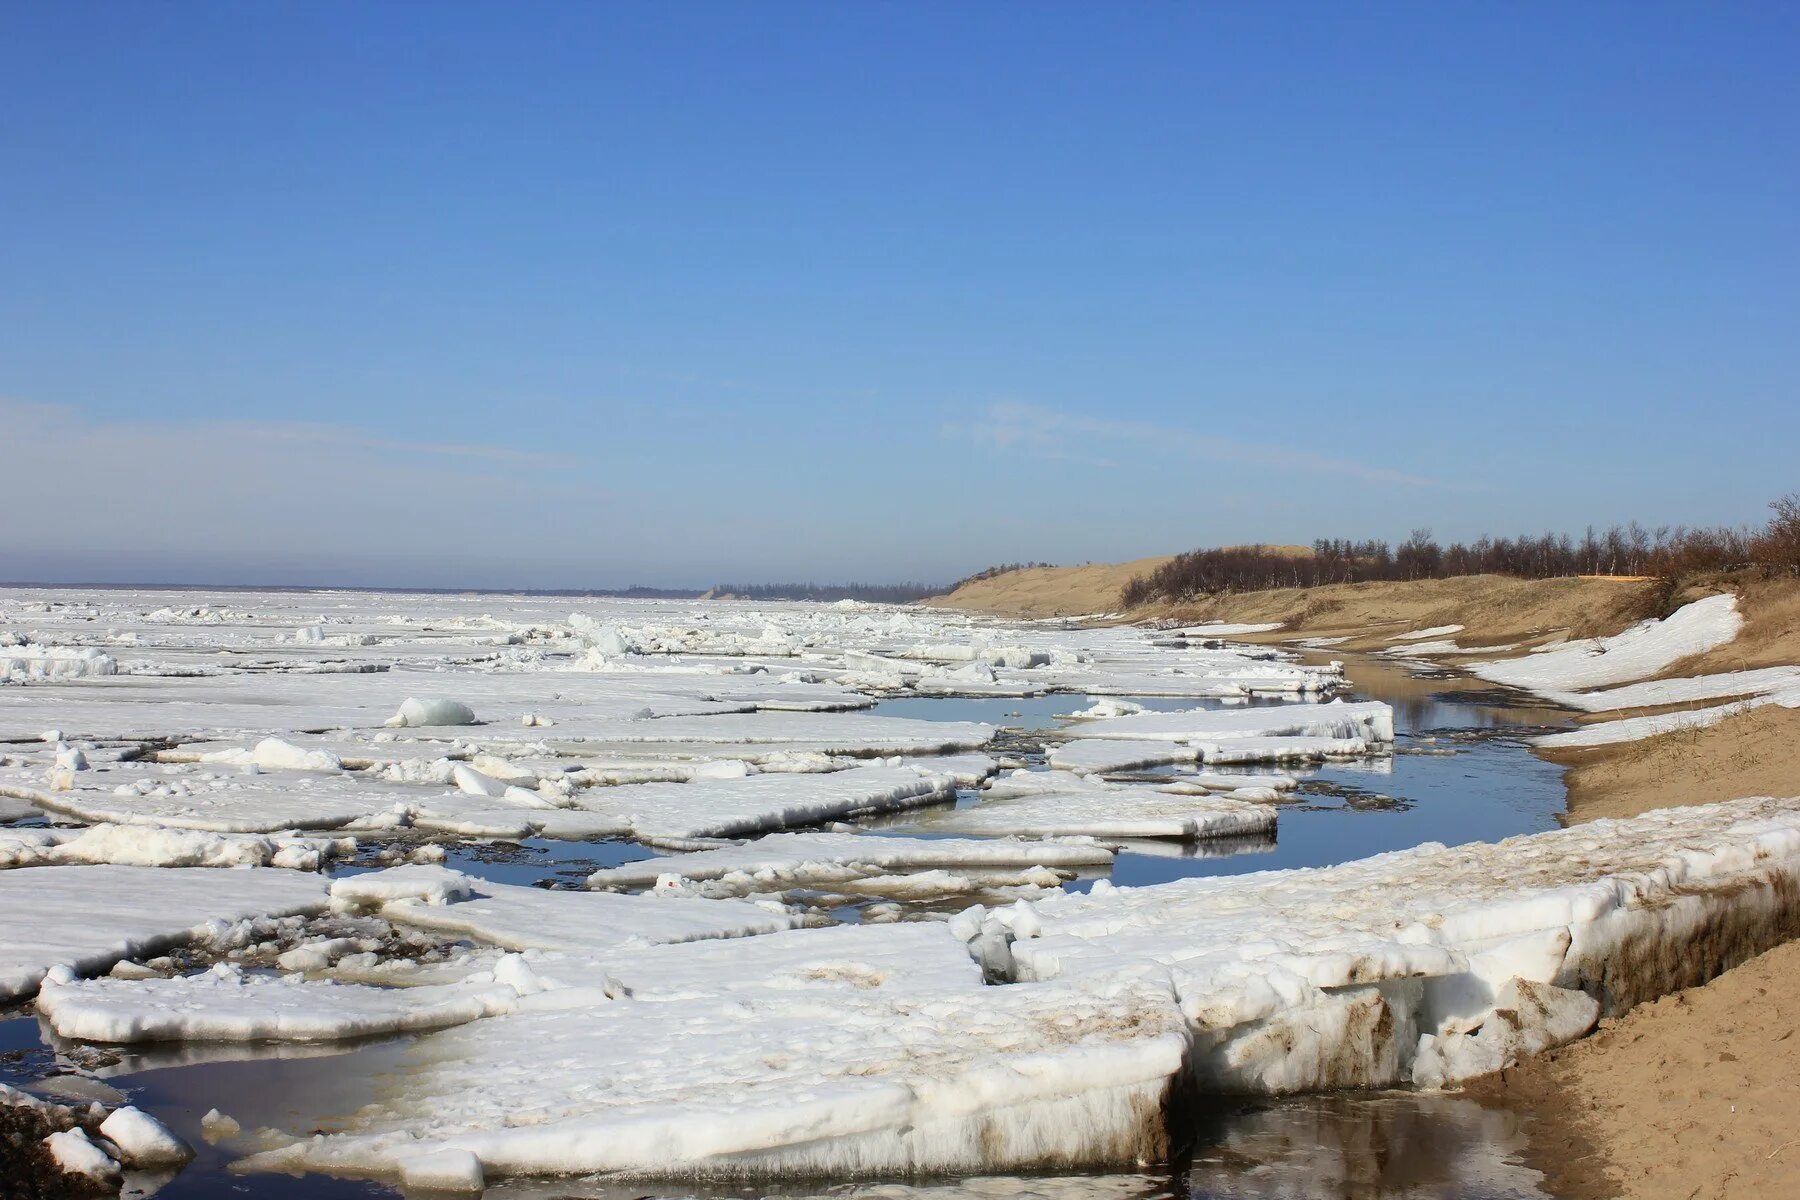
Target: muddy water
1461 772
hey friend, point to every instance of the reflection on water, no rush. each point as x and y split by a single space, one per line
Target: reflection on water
1397 1146
263 1087
541 860
1370 1146
1392 1145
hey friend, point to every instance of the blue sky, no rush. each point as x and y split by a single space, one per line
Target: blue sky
576 294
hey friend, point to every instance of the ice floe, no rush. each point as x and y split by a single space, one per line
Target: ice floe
1370 720
226 1004
523 918
89 917
786 860
164 848
1109 815
758 803
849 1081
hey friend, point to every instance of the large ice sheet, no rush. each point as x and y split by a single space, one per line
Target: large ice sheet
849 1081
1338 976
1640 652
90 917
850 733
590 923
227 801
803 859
215 800
911 956
1099 756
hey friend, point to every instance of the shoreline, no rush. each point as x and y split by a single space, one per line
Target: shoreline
1688 1096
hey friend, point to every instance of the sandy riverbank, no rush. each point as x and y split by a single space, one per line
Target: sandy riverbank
1690 1097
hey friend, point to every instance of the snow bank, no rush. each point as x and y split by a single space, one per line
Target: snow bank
1762 682
1631 729
1419 635
1641 651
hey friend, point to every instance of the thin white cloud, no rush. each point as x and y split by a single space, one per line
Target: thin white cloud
1017 427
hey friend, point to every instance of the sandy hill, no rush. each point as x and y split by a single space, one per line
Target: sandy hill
1048 591
1059 591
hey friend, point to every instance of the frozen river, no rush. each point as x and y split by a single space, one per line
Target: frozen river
696 891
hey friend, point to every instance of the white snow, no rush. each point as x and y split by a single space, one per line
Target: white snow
74 1153
904 957
1631 729
1640 652
1419 635
1685 690
421 882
